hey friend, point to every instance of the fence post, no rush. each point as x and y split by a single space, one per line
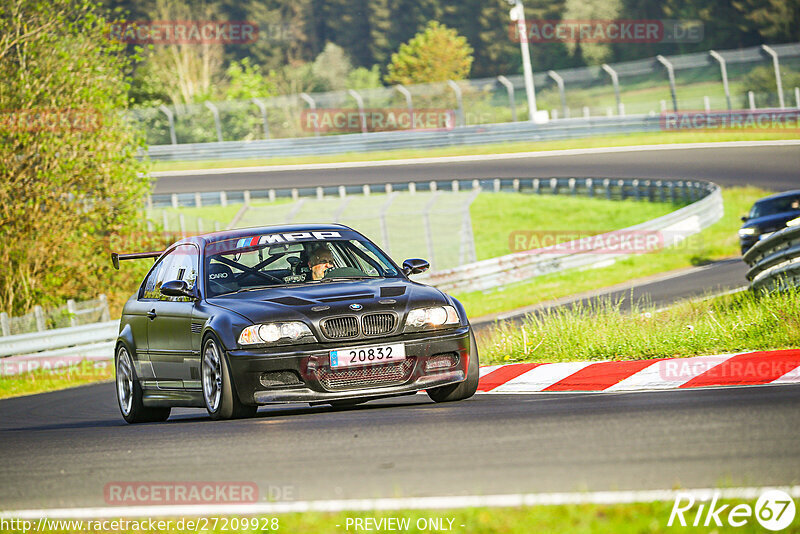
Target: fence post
797 97
388 189
409 103
671 73
607 187
572 189
263 108
621 184
366 190
586 112
615 81
466 252
360 104
246 196
515 185
510 89
342 191
476 185
320 193
412 188
312 105
496 185
105 314
724 73
223 199
706 104
198 200
426 219
637 194
459 99
560 82
554 186
73 318
271 195
776 65
454 185
751 97
384 225
590 187
171 118
174 199
39 315
433 186
5 324
217 124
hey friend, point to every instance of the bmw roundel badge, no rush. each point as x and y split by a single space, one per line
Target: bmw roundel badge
356 306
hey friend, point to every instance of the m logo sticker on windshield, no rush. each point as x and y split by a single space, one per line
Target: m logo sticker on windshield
288 237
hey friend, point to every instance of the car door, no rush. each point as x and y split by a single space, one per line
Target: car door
169 331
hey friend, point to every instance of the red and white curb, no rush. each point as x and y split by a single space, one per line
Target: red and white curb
751 368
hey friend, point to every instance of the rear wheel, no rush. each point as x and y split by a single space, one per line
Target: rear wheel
129 393
468 387
219 392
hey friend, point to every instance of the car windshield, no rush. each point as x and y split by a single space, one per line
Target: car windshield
775 206
265 261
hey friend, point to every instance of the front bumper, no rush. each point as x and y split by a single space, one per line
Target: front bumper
316 382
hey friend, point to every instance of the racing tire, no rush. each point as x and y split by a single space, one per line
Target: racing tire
129 392
219 391
465 389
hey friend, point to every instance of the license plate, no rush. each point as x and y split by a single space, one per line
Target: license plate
374 354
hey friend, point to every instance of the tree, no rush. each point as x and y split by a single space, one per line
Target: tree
332 67
69 177
436 54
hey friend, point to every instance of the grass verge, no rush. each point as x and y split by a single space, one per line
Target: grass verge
719 241
650 138
573 519
41 380
736 322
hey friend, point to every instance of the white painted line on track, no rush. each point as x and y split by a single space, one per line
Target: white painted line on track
477 157
411 503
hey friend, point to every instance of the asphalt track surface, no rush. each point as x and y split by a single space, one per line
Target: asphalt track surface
60 449
771 167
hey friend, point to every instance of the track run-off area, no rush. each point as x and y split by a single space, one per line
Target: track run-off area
63 449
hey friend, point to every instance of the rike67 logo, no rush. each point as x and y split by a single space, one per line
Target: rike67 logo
774 510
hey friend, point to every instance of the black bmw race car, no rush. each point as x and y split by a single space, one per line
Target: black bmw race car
314 313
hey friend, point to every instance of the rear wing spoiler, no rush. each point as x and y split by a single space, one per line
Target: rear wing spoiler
115 257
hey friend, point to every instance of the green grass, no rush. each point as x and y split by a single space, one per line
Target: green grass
42 380
654 138
210 215
496 216
738 322
571 519
716 242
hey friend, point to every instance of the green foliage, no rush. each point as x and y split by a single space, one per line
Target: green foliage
69 180
246 81
435 55
761 80
331 67
364 78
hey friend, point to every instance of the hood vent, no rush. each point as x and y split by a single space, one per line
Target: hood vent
360 296
290 301
392 291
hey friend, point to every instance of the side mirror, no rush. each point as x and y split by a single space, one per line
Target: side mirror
177 288
415 266
744 218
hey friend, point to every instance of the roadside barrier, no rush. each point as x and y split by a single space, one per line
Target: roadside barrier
775 261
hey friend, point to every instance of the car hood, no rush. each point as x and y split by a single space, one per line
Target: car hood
316 301
771 223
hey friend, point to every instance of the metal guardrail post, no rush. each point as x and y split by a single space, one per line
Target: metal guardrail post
384 224
724 72
510 89
217 124
426 220
671 73
751 98
38 313
312 105
460 100
5 324
615 81
73 317
263 108
171 118
360 103
589 187
797 97
560 82
777 67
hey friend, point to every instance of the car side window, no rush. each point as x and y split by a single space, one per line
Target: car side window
179 264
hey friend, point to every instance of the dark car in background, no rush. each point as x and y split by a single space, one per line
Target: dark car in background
767 216
314 313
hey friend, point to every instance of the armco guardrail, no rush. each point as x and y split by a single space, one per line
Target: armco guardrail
88 340
673 228
775 261
379 141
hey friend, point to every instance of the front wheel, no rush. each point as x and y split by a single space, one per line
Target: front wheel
468 387
219 393
129 393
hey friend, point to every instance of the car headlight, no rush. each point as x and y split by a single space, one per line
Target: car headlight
277 334
747 231
429 318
